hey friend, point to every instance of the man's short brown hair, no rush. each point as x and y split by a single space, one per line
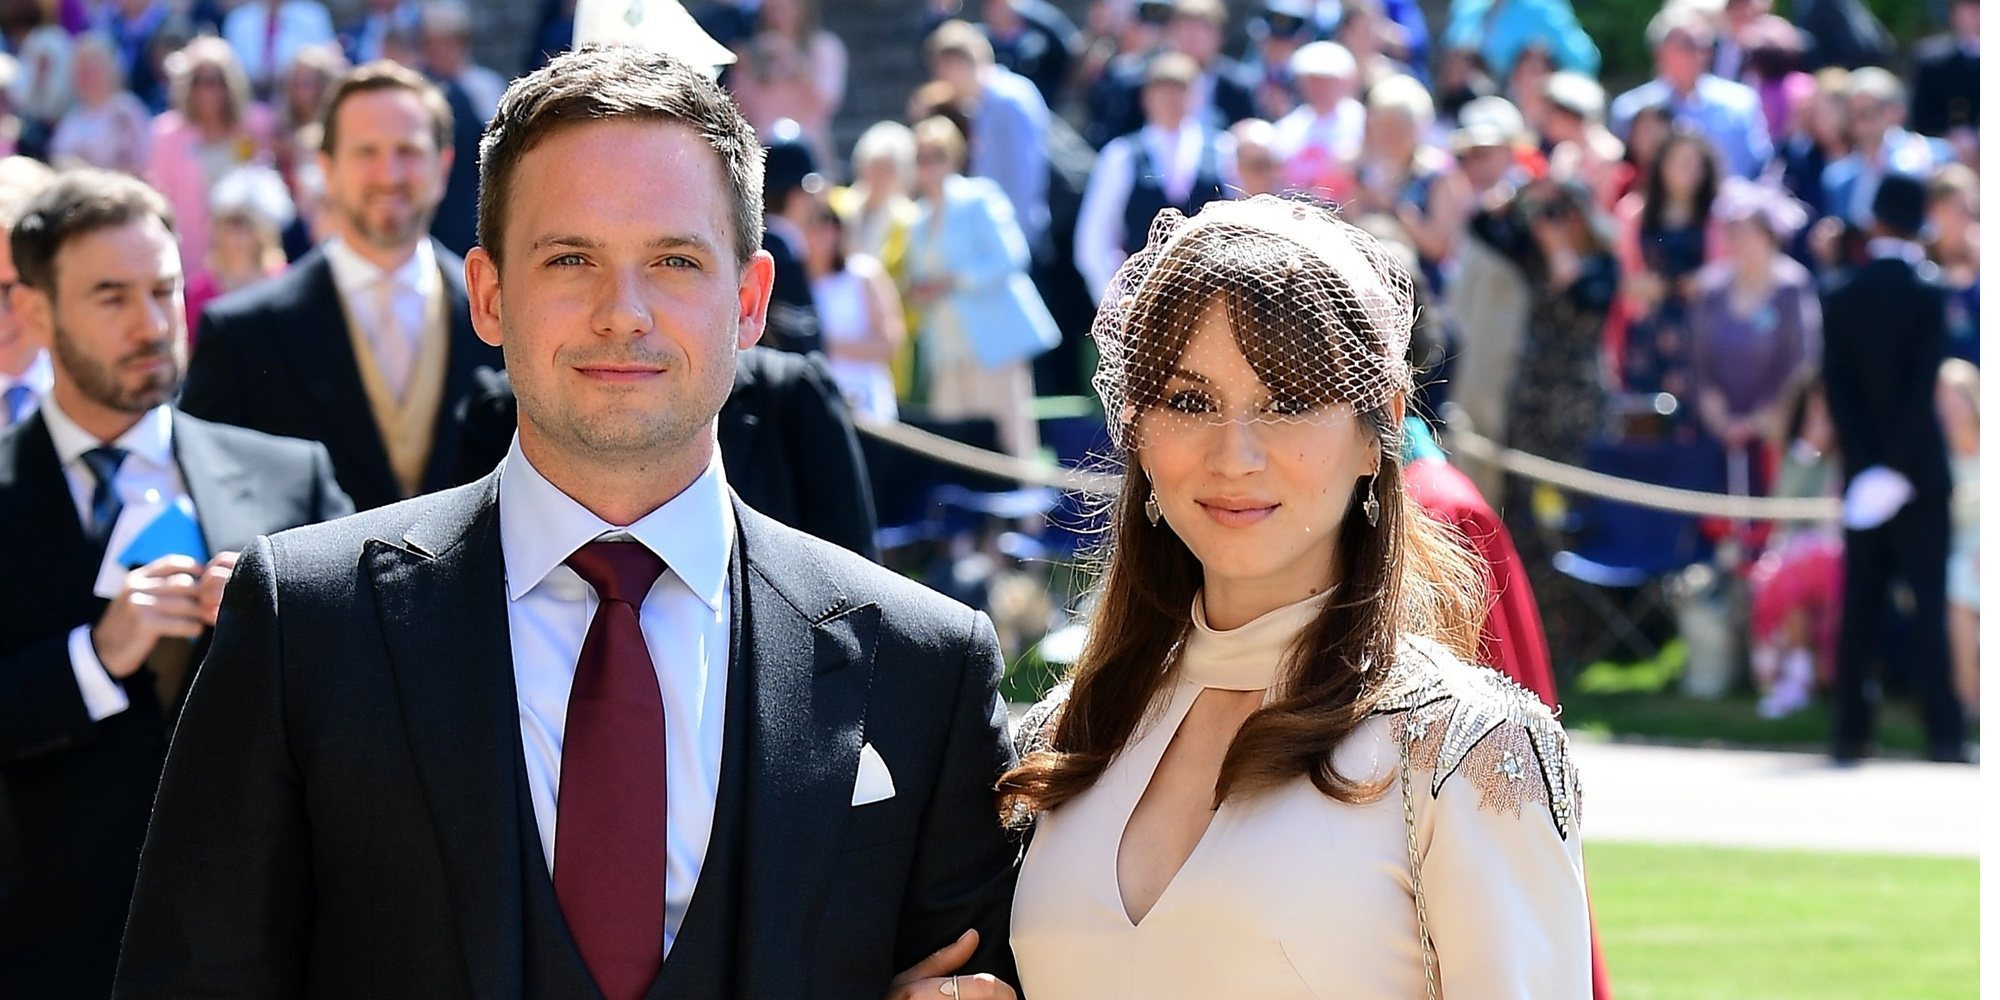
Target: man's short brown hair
611 83
384 75
79 202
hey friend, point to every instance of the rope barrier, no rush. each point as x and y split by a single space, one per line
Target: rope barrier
1464 441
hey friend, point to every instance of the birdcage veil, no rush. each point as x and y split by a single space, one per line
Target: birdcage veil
1320 310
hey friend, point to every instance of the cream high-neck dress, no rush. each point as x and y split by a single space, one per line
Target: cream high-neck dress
1292 894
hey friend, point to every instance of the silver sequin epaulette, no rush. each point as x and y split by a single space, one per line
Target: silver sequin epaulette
1470 703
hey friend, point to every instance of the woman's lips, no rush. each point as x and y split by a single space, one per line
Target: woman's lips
1236 513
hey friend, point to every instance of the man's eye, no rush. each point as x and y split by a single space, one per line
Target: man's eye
679 262
567 260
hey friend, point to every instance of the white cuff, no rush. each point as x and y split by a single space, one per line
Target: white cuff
102 696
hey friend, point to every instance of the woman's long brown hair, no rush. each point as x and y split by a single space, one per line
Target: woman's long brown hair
1407 576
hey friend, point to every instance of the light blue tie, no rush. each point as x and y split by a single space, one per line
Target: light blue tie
17 401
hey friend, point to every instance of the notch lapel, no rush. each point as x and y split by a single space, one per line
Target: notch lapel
440 594
223 491
810 660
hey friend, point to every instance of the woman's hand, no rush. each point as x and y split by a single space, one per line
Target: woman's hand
932 977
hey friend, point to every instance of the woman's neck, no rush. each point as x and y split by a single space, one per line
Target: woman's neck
1229 604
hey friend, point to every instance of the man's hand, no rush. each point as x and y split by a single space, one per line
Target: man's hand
213 580
932 977
161 599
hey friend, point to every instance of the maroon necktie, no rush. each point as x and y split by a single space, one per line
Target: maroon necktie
611 809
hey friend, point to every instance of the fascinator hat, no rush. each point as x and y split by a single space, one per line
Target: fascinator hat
1743 200
1319 309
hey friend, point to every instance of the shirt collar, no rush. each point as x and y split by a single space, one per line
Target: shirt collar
353 273
39 376
540 526
151 439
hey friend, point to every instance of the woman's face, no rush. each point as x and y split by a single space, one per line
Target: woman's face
822 236
237 246
1648 132
93 75
1255 486
933 165
880 176
1749 241
208 94
1681 173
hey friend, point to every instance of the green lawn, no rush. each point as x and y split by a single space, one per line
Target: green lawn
1697 923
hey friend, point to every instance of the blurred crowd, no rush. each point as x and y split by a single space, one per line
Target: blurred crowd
1638 279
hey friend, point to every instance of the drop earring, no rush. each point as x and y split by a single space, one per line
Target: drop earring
1371 507
1152 508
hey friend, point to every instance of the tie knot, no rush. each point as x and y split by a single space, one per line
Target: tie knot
618 571
104 463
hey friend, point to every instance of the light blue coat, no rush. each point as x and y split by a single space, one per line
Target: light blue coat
980 247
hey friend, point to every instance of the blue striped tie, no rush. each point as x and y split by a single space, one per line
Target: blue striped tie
104 502
16 402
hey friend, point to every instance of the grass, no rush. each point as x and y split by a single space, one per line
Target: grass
1694 923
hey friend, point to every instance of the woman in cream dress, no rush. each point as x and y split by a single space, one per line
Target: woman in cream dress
1272 774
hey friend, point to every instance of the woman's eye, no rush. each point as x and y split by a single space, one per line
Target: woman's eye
1288 406
1189 401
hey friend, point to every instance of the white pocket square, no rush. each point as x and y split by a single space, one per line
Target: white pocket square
871 781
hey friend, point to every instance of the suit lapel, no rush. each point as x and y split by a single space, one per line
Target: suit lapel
809 656
41 514
441 599
223 491
323 362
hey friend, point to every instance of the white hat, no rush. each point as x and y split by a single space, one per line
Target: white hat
1323 59
661 25
1486 122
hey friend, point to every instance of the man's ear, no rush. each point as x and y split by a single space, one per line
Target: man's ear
482 288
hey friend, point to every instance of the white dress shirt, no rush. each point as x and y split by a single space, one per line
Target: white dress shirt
38 376
149 469
394 339
1100 219
685 618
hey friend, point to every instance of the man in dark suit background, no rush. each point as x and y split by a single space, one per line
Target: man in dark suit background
1885 338
88 685
775 759
366 344
1944 89
788 445
789 173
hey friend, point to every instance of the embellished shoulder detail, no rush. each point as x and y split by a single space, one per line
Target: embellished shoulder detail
1034 731
1459 717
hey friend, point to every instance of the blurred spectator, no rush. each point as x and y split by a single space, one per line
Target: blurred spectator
1488 297
246 212
982 320
1499 29
1958 411
1580 147
25 374
1728 113
131 26
1008 123
1885 340
1844 33
1276 32
1944 98
362 39
1527 86
1876 103
861 316
268 34
1818 137
446 29
1175 161
1221 93
1461 79
305 85
1123 36
879 212
1034 38
1731 59
792 182
1795 585
791 68
11 125
107 127
1952 217
1403 175
1318 142
1257 168
1755 326
1775 53
44 90
213 127
1667 233
1373 40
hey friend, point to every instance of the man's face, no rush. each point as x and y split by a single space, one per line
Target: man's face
116 325
1197 37
621 305
1679 58
1167 103
16 349
385 175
